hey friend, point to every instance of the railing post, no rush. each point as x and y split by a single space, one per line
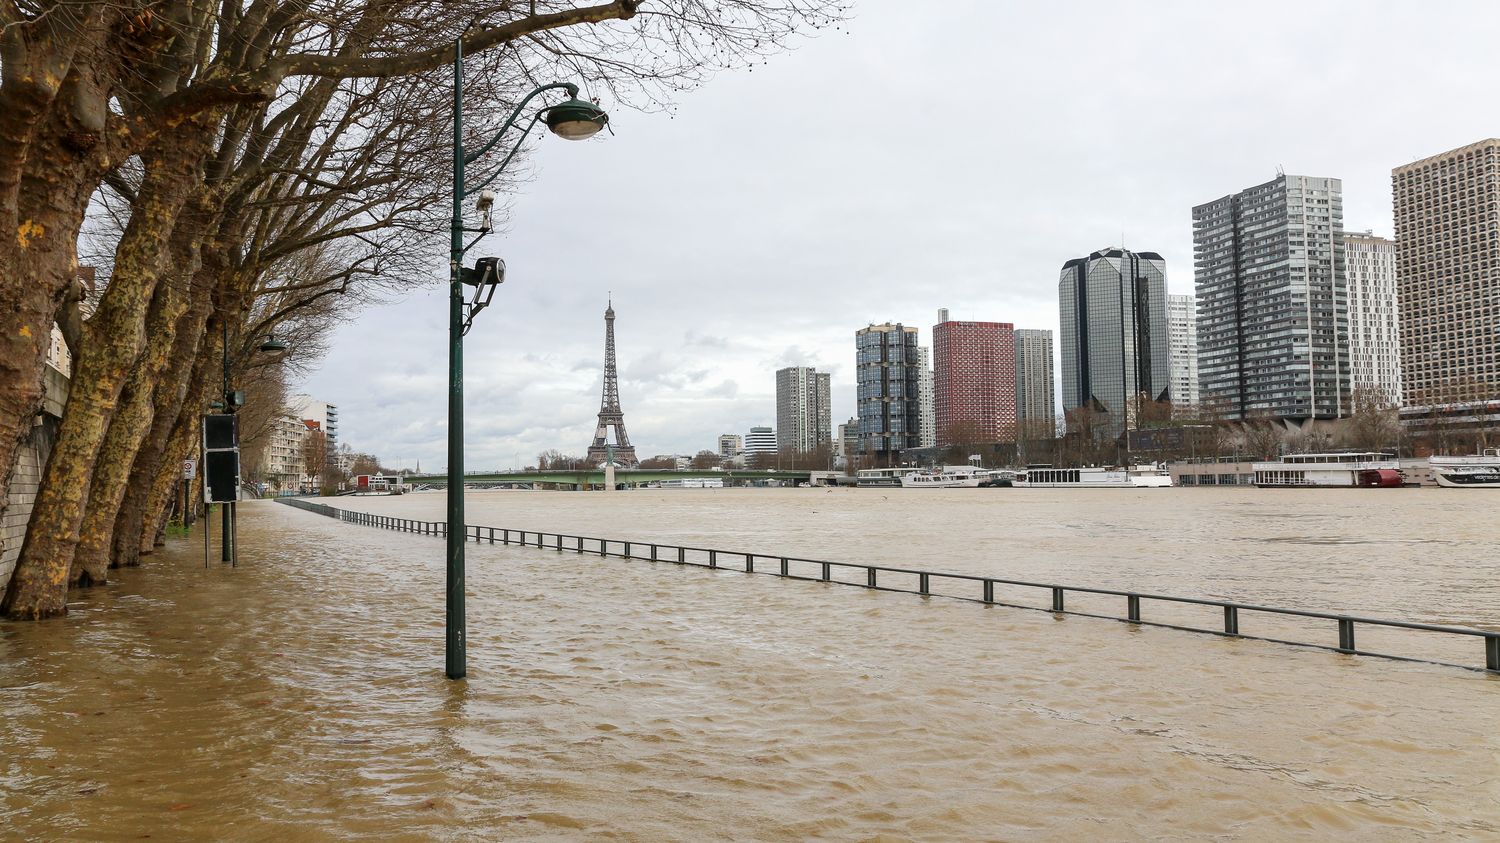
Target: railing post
580 544
1346 635
506 535
1231 620
653 553
784 568
1057 599
492 535
827 572
559 542
627 550
713 559
989 591
922 584
749 563
870 577
1492 653
1133 608
681 555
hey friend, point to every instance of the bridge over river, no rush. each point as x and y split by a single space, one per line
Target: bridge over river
628 477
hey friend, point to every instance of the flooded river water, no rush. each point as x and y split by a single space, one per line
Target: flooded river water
300 696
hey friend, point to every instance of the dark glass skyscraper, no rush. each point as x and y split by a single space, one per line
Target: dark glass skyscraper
1113 307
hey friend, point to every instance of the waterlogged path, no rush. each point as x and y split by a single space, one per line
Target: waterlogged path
300 696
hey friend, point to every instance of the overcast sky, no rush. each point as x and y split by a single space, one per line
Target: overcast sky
914 160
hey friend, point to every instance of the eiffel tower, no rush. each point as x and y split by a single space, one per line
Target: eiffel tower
610 414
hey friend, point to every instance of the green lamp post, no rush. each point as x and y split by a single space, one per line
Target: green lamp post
573 119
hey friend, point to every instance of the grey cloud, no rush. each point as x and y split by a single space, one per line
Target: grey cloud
810 234
692 338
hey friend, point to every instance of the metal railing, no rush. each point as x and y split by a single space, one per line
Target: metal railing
880 578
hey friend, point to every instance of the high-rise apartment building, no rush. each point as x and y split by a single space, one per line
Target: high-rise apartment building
731 444
1272 300
1374 323
887 369
326 415
1036 408
846 441
803 422
1448 275
974 374
1182 347
926 401
283 462
1115 362
760 440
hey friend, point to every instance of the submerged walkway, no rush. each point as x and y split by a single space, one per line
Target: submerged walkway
929 583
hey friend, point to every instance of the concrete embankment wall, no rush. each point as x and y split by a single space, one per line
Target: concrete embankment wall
31 458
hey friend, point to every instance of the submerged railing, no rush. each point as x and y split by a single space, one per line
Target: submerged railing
817 570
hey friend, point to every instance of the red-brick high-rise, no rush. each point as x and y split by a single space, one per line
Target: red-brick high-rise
974 381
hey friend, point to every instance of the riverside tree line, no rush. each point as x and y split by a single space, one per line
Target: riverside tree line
248 167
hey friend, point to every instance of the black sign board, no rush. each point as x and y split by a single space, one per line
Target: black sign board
221 476
220 432
221 458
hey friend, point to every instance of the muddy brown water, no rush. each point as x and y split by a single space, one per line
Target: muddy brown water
300 696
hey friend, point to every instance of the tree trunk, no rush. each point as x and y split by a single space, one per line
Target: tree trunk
49 167
181 441
113 339
155 456
128 429
184 437
37 264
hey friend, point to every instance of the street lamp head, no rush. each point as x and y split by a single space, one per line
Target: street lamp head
576 119
272 344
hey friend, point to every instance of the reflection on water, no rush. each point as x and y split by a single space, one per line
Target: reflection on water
300 696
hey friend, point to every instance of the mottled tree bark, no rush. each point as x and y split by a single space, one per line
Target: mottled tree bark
50 161
128 429
183 441
156 464
113 339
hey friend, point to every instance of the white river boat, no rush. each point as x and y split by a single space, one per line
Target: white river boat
1480 471
948 477
1046 477
1336 470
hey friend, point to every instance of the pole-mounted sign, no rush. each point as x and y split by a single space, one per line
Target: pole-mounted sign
221 459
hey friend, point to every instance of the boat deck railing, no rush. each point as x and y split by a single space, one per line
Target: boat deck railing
980 589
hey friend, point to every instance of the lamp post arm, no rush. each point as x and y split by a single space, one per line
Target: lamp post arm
469 191
514 115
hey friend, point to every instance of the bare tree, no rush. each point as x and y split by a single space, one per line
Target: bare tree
360 463
315 456
1373 422
1085 425
1263 435
216 112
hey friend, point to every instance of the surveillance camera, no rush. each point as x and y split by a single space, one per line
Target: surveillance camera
485 206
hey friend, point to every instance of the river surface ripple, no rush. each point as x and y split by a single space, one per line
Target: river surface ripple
300 696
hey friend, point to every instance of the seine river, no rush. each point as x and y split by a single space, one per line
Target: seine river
300 696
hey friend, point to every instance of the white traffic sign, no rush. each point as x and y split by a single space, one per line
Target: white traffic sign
189 469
